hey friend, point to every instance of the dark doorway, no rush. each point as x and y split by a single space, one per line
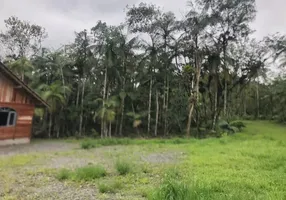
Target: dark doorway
8 117
4 118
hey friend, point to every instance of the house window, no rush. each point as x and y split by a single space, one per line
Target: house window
8 117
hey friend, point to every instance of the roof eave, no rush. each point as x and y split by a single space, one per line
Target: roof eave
26 87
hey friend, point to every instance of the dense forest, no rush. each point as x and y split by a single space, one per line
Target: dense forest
154 75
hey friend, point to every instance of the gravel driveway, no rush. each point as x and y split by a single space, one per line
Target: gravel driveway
37 147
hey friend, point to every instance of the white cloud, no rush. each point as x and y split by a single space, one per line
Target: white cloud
62 18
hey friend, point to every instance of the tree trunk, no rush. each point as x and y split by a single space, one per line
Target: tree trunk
77 95
225 82
81 109
116 126
63 80
122 112
215 105
257 99
58 131
157 114
136 128
195 97
166 108
149 106
50 125
109 131
122 117
103 128
192 105
225 100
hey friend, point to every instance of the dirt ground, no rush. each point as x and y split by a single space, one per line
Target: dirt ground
38 147
27 172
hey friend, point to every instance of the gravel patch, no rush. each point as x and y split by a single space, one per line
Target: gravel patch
164 157
39 186
45 146
67 162
61 191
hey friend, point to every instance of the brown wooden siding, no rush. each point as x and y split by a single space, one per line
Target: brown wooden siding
10 92
23 126
13 97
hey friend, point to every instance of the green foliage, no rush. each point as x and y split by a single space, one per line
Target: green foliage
64 174
233 127
111 187
88 144
125 86
188 69
173 188
124 167
93 143
89 173
238 124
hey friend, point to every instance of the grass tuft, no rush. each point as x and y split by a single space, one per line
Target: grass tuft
90 172
64 174
88 144
112 187
123 167
172 188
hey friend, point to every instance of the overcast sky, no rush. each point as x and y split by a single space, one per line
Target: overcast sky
62 17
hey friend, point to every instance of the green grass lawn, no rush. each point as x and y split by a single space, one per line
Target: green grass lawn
248 165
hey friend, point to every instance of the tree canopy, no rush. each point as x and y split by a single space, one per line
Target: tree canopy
153 75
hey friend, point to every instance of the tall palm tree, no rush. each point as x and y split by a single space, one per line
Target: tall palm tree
54 94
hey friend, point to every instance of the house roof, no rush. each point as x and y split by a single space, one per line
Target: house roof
10 75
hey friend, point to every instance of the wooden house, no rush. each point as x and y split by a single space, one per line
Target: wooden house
17 105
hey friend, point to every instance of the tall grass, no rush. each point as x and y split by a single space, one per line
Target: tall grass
111 187
172 188
87 173
90 173
123 167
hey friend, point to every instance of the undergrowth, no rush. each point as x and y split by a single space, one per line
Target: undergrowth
123 167
87 173
93 143
111 187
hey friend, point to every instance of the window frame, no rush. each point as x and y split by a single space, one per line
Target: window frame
10 113
14 120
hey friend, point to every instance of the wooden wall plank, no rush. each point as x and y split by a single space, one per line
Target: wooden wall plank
10 93
23 126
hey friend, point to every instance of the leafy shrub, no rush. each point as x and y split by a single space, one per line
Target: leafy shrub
63 174
94 133
238 124
90 173
123 167
88 144
231 128
110 188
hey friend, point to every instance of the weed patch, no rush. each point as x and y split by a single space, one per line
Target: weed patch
87 173
111 187
64 174
123 167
